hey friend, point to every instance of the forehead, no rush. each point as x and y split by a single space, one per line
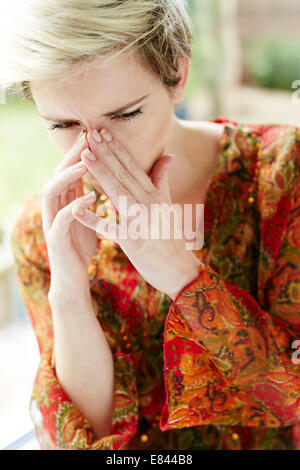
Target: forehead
123 75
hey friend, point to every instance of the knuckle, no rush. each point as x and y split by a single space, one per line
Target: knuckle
122 174
105 152
118 146
45 190
132 168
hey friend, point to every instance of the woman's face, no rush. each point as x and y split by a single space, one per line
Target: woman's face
81 102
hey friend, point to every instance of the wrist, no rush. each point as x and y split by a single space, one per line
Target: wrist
185 278
60 296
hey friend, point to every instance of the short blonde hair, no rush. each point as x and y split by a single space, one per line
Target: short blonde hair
42 38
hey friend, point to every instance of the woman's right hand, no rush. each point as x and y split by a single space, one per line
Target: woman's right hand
70 244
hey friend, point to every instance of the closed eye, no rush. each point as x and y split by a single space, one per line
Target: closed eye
125 117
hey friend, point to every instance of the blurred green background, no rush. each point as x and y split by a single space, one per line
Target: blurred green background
27 154
273 61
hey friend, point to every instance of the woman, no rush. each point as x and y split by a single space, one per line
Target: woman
148 345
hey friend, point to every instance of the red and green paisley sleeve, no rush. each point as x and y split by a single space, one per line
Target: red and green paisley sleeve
58 423
227 359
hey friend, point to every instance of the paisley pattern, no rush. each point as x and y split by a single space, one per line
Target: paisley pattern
212 369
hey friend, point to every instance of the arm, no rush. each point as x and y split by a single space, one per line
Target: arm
83 359
227 360
59 423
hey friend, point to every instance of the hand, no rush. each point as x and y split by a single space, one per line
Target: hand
70 245
164 263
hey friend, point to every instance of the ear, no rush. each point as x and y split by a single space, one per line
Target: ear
183 73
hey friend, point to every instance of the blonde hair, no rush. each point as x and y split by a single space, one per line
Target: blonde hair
43 38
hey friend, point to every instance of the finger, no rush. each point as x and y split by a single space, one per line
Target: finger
73 155
118 171
66 195
105 227
160 175
109 182
64 217
51 193
121 159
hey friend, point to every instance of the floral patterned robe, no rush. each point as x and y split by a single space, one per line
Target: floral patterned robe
212 369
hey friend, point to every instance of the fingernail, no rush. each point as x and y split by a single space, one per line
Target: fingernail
106 135
96 136
80 211
89 195
80 166
80 137
88 154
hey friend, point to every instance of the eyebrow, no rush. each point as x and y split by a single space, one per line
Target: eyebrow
109 114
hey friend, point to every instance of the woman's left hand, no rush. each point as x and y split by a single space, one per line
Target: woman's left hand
165 263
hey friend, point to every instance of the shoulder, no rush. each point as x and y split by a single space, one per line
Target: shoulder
270 154
278 164
266 150
264 161
27 236
278 160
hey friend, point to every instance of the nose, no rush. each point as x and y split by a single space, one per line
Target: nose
85 132
81 133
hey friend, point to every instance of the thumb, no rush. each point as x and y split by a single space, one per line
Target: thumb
160 172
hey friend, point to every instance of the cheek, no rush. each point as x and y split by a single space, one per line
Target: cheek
152 144
146 143
63 141
160 133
